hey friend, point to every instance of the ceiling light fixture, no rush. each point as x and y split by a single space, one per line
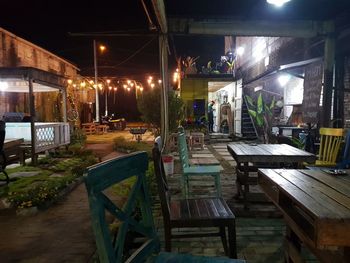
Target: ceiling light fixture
277 3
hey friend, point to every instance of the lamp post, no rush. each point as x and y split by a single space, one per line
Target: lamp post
96 83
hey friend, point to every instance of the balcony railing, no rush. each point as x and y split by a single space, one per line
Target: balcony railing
47 135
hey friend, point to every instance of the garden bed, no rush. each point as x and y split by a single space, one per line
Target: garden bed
34 188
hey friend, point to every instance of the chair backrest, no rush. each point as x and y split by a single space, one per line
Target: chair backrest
103 175
162 184
330 142
183 151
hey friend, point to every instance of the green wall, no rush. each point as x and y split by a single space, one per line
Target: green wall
193 89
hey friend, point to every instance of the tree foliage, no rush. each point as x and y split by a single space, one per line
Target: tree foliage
149 106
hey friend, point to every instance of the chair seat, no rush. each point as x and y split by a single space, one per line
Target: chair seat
200 210
203 169
324 163
165 257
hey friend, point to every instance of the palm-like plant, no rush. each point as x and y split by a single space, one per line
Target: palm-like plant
261 113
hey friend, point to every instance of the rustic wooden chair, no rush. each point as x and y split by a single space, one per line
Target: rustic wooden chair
102 176
195 170
3 156
330 142
189 213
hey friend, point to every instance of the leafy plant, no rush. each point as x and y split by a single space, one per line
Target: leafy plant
149 106
261 113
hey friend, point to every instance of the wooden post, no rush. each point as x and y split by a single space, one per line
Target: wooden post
64 95
329 55
163 57
339 91
32 120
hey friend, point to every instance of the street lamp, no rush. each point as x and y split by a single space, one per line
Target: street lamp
102 48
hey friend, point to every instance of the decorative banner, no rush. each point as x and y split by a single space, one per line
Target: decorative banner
312 92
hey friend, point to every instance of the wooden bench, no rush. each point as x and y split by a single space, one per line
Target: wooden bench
89 128
104 175
188 171
189 213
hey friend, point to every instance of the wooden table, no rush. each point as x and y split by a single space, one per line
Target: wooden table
316 208
263 155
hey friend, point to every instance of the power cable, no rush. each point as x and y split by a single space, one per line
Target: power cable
135 53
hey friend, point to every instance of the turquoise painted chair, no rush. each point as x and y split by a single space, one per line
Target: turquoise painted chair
104 175
195 170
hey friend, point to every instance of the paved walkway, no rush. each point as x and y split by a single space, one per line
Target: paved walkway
63 232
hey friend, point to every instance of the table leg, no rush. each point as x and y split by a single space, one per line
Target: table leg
246 184
292 247
238 181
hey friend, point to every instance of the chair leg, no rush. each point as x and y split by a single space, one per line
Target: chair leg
185 186
232 240
217 185
224 240
167 237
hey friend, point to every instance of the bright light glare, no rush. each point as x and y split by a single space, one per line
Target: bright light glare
152 85
3 86
240 51
283 79
277 3
102 48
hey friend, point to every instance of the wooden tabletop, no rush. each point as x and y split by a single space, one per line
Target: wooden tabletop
9 143
316 205
269 153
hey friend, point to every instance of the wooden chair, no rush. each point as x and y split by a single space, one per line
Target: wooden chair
189 213
330 142
188 171
103 175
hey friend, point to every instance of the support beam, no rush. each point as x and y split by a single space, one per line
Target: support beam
227 27
32 120
329 58
159 10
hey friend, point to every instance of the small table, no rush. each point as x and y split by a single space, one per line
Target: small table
137 133
316 208
263 155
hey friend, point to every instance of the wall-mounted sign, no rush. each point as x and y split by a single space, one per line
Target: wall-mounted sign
312 92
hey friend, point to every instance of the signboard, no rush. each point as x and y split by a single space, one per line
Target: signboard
312 92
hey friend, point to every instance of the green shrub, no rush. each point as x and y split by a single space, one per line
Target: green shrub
78 136
38 193
122 145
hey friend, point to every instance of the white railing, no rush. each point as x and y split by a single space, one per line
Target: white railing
47 135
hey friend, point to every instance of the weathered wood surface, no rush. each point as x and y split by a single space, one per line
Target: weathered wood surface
316 207
277 153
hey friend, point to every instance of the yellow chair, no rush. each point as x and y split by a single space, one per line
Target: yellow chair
330 142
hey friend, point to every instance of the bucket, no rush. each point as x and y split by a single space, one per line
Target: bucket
168 162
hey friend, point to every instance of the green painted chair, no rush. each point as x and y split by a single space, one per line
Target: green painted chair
98 179
198 170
